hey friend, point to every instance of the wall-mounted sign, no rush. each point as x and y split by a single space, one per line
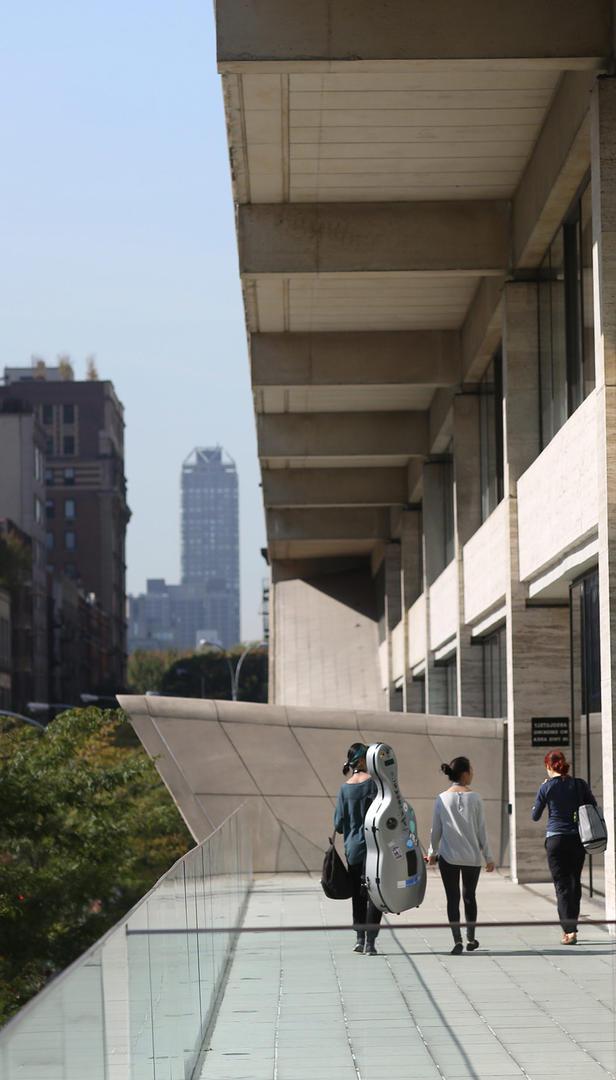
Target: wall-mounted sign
550 730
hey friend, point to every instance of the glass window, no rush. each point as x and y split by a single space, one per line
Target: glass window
69 477
49 541
448 514
69 541
49 444
38 510
491 435
50 509
566 327
69 509
68 444
495 674
49 477
47 414
68 414
588 321
451 686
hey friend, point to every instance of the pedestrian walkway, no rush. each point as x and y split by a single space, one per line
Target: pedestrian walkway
301 1005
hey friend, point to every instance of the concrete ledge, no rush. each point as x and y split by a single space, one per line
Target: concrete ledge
285 763
321 238
356 30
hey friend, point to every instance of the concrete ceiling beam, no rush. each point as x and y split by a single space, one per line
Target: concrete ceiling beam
412 358
305 488
366 524
344 435
463 237
555 170
293 33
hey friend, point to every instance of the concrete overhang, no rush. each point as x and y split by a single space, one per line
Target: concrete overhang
304 360
357 238
329 524
294 33
335 487
390 438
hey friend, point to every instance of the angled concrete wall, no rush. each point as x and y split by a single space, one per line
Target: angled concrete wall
285 763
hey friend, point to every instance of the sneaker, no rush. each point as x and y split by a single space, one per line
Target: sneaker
370 949
458 949
472 945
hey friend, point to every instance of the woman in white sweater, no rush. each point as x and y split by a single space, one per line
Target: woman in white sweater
459 841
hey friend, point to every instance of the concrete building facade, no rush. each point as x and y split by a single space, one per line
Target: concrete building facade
426 238
85 507
22 508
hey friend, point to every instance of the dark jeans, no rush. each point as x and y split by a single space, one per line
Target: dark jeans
364 910
451 880
566 856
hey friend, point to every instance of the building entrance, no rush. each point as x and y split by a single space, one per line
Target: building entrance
586 702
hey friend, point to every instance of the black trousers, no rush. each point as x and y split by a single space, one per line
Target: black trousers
364 910
451 880
566 856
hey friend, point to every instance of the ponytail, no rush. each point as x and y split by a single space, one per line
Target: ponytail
456 768
355 753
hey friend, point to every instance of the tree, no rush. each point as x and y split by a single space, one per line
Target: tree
91 369
15 561
86 828
207 675
146 668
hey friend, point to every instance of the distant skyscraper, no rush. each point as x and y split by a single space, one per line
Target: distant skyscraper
210 538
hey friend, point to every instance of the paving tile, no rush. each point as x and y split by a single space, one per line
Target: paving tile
294 1002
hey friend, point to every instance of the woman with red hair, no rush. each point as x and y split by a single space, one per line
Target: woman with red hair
563 795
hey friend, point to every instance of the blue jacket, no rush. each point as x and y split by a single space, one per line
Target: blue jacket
562 795
351 809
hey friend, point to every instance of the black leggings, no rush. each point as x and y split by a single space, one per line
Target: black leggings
364 911
566 856
451 880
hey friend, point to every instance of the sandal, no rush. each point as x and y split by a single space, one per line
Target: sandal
569 939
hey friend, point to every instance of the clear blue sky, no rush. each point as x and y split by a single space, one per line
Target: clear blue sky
117 238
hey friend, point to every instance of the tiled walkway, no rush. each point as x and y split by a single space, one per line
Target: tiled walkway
302 1005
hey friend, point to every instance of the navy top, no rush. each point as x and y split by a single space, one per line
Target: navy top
562 795
351 808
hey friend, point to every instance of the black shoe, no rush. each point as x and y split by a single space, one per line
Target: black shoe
471 946
458 949
359 947
370 949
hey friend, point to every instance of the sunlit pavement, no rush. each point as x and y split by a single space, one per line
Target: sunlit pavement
303 1005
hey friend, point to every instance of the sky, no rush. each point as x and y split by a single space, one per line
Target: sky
117 239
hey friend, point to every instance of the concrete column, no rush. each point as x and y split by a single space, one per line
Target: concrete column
537 637
393 615
436 482
411 557
467 519
603 166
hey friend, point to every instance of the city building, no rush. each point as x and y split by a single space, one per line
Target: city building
169 617
22 502
84 504
210 538
425 209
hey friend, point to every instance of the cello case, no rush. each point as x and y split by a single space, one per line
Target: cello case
395 869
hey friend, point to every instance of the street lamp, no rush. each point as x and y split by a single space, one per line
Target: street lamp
26 719
234 675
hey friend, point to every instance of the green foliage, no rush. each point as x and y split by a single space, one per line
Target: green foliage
15 562
146 669
86 828
207 675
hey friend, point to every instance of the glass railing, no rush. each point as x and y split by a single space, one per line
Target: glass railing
141 1002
